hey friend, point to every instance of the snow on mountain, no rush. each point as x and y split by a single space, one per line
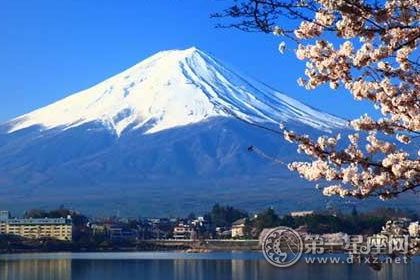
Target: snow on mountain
171 89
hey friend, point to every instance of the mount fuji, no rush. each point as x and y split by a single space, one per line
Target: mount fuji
173 89
167 136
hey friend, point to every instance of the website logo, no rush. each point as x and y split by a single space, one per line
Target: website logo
282 247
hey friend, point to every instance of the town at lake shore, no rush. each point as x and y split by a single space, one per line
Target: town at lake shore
223 228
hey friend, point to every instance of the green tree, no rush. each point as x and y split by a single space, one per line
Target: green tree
267 219
223 216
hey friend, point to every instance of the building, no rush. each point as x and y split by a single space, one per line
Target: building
239 228
97 228
301 213
117 232
223 232
199 222
55 228
183 231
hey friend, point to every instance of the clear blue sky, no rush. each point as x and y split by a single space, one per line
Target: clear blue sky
50 49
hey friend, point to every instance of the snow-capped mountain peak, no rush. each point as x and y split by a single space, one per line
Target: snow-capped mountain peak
170 89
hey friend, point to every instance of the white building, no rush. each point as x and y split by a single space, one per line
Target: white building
301 213
184 232
239 228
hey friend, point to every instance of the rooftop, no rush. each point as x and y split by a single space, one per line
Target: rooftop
44 221
239 222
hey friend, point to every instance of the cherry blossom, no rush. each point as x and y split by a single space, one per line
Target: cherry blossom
376 61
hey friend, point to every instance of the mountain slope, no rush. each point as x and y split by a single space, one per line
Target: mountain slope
170 89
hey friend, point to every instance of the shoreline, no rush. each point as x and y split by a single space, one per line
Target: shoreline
185 246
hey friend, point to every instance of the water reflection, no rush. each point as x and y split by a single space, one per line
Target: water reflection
164 267
36 269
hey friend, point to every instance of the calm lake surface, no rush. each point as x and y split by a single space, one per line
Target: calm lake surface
182 266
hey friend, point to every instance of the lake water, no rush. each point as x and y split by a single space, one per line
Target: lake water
182 266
